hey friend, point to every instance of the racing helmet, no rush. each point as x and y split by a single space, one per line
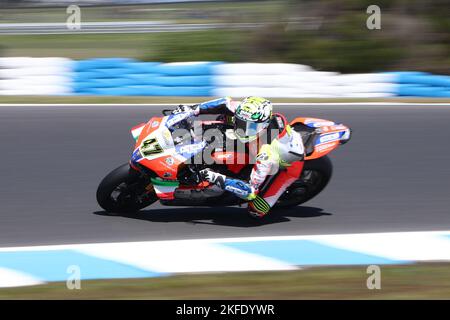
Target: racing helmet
252 117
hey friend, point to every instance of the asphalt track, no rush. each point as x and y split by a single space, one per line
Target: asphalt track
394 175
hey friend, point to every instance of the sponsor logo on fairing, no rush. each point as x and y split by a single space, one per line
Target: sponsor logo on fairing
339 127
329 137
191 148
175 118
169 161
236 190
324 146
237 187
223 156
316 124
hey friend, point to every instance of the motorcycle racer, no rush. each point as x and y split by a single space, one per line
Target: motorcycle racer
252 119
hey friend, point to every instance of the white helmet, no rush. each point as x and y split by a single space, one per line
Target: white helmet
251 118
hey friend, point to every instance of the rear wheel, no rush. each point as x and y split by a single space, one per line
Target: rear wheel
123 190
315 176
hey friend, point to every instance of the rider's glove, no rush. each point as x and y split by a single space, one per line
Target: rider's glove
213 177
182 113
193 110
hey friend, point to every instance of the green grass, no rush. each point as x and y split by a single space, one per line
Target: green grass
419 281
200 12
165 47
79 46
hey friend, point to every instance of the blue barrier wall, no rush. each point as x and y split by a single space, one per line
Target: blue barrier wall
120 76
421 84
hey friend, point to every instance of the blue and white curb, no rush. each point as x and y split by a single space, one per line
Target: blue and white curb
22 266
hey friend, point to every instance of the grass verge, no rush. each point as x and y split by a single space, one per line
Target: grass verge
195 12
417 281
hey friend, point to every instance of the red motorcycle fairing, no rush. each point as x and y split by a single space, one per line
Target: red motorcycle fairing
234 161
164 166
327 136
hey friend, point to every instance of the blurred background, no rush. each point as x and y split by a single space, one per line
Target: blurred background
150 51
325 34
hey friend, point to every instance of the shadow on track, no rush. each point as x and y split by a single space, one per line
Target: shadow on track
223 216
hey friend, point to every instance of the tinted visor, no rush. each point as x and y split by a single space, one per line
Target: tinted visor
246 129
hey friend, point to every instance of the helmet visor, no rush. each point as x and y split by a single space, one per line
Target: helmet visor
246 130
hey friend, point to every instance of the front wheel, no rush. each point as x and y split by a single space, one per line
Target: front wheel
123 190
315 176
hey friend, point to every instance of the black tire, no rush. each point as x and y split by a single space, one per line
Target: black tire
315 177
123 191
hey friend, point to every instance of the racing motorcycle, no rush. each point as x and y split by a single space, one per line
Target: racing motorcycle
161 165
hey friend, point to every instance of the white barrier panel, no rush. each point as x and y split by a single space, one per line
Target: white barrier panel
368 95
294 79
37 90
258 68
366 78
25 62
240 92
368 88
320 90
13 73
35 76
35 80
253 91
299 78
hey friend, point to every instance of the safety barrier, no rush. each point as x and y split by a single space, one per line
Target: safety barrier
35 76
130 77
116 76
422 84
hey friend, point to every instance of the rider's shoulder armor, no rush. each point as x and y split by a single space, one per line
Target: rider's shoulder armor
288 147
